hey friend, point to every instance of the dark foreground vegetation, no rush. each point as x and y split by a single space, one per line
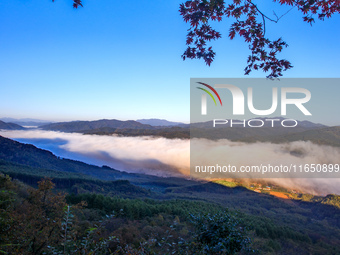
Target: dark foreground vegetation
38 221
84 209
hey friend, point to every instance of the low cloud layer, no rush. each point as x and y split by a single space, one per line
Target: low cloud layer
289 155
157 156
171 157
298 153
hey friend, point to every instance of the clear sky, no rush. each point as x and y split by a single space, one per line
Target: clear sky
121 59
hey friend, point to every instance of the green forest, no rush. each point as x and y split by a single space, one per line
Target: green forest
50 205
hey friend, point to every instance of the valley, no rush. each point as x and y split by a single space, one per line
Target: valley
279 220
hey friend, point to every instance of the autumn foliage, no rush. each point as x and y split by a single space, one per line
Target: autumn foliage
76 3
250 24
33 221
41 221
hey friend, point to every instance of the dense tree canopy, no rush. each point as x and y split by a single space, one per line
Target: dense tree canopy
250 24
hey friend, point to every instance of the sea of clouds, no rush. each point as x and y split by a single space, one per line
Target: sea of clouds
171 157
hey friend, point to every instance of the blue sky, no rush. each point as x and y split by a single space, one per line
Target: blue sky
121 59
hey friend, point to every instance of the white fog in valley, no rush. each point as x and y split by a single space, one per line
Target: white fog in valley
156 156
171 157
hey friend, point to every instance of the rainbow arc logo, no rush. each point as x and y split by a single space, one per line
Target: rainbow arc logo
209 93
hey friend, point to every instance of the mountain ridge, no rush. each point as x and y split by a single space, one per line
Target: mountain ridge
79 126
305 130
26 121
159 122
10 126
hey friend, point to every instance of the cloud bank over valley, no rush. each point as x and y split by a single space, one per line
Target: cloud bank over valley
171 157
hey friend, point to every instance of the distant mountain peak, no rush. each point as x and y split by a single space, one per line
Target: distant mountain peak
26 121
10 126
80 126
159 122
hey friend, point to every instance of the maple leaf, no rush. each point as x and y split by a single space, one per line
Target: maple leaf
250 25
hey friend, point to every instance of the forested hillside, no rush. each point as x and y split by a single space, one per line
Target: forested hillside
78 126
149 215
10 126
